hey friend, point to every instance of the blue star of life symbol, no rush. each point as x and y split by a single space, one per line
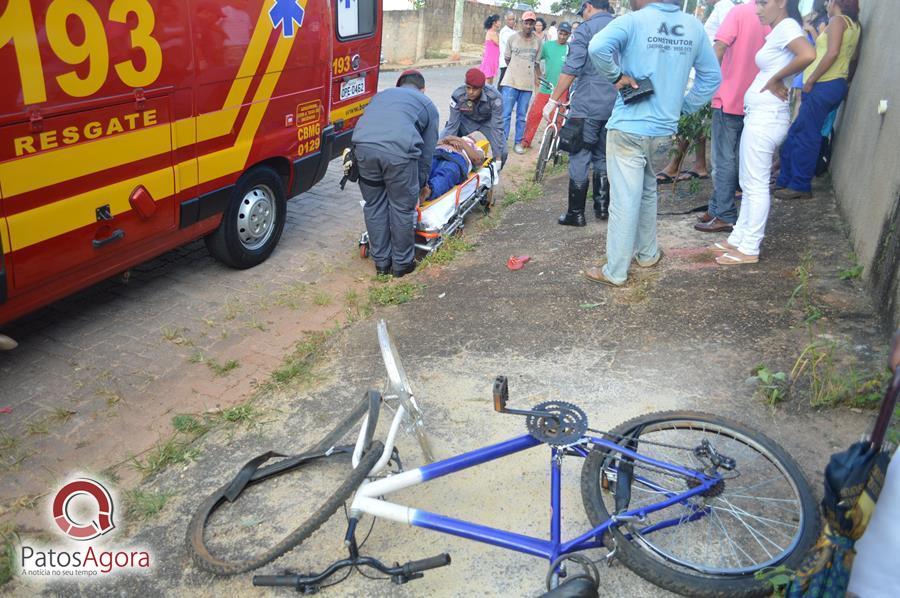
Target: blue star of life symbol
286 12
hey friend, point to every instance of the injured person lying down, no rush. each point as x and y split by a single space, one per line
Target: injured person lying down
453 160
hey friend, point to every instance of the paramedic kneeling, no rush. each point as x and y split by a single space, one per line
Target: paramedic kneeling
476 106
394 142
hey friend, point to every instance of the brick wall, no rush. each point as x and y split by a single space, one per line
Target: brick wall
400 27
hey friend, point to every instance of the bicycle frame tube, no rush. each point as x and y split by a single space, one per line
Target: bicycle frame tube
367 498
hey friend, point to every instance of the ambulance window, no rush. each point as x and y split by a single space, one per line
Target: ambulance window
355 18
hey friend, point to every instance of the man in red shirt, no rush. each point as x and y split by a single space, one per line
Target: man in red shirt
738 39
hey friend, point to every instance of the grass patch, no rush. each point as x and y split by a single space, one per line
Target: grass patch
528 191
558 168
773 386
299 365
828 383
851 273
221 369
435 55
254 323
8 539
447 252
321 298
395 294
801 296
243 414
191 425
60 415
38 427
175 335
292 296
143 505
165 453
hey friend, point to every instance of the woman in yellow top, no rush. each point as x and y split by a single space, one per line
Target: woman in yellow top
824 88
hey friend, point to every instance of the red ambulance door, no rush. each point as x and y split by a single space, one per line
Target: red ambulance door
357 55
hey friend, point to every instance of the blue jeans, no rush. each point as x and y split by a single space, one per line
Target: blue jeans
726 141
800 150
631 231
519 99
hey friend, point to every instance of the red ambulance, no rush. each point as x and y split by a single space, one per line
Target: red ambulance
129 127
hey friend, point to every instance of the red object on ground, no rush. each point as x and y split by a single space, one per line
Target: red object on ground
535 116
5 409
517 262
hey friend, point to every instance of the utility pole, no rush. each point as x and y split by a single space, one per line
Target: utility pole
457 29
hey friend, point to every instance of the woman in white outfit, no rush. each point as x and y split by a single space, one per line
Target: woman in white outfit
766 121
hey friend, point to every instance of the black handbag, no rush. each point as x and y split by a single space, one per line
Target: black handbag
571 136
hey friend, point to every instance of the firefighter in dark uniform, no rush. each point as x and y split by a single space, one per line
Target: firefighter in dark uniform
592 104
477 107
394 142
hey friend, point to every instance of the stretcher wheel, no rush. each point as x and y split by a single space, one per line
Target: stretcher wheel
363 250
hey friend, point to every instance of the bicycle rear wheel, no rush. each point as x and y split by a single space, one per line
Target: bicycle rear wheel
544 155
762 514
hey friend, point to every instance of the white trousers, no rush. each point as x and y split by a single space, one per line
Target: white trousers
764 130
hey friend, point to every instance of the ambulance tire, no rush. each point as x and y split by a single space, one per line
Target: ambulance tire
258 195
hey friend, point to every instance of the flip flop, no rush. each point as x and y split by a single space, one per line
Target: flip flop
723 246
517 262
691 174
663 179
736 259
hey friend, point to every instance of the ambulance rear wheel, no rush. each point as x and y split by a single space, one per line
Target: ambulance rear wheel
253 220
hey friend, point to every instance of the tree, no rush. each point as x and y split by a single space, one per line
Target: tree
533 4
565 6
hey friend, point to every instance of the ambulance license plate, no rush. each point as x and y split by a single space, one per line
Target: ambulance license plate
353 88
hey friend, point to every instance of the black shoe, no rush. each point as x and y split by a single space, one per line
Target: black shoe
383 270
601 196
574 216
404 270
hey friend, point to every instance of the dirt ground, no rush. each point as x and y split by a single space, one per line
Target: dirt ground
684 335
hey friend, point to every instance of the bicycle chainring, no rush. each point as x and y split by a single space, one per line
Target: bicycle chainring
565 429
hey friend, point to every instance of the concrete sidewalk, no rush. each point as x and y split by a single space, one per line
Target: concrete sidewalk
684 335
465 59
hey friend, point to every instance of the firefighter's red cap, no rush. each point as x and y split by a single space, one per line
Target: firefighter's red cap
475 78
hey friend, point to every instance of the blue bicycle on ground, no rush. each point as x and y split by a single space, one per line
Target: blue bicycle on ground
694 503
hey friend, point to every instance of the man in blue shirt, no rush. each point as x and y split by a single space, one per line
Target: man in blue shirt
661 43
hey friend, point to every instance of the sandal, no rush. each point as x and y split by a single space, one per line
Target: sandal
663 179
723 246
736 258
687 175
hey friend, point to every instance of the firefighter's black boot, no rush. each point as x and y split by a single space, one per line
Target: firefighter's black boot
601 196
575 214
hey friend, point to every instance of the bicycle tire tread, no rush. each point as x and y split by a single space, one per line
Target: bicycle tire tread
638 561
208 562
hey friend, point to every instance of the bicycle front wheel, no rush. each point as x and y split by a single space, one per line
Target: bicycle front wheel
544 155
762 514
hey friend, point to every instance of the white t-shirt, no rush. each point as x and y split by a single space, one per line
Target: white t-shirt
552 33
771 58
505 34
718 14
